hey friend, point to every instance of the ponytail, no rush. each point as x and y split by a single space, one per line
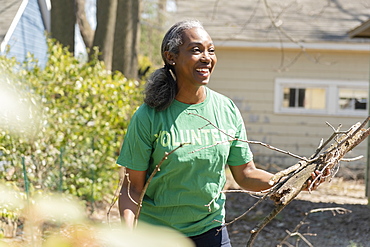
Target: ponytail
161 89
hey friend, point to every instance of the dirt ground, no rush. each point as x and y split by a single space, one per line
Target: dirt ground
321 229
327 228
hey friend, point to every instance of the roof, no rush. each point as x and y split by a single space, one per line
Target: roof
362 31
8 10
309 21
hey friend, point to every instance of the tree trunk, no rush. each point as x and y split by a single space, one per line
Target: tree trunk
126 38
104 34
63 20
86 31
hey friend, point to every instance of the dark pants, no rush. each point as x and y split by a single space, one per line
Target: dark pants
212 238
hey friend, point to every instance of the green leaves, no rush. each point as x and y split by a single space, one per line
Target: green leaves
78 107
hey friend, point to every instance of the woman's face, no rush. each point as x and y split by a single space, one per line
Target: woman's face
196 58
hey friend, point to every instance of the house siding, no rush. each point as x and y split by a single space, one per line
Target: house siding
29 35
248 77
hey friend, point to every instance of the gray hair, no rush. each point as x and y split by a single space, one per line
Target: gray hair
161 88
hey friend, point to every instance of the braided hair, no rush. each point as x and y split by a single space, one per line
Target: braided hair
161 88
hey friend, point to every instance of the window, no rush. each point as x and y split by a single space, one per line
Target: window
302 96
307 98
352 99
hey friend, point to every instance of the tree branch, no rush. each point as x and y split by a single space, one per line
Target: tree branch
86 31
157 169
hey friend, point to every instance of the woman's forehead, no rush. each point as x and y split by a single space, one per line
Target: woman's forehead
196 35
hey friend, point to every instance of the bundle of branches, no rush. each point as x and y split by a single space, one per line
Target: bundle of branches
288 183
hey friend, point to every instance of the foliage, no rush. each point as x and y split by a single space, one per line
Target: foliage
151 39
73 122
152 30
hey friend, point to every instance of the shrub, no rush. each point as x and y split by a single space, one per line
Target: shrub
71 126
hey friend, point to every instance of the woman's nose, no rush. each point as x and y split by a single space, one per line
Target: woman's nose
206 57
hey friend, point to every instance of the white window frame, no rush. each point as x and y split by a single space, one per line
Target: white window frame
332 95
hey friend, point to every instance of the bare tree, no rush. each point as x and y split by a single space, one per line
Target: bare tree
63 21
126 38
117 34
104 33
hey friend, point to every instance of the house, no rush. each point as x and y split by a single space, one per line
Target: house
290 66
23 25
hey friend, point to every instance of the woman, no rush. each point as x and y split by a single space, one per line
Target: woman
176 108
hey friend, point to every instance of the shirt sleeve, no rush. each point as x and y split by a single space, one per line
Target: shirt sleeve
137 145
240 152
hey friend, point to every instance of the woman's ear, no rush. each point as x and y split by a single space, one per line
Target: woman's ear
170 57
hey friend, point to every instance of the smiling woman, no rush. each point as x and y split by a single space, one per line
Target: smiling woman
178 109
194 175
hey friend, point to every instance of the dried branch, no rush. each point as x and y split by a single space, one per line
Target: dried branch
288 183
157 169
232 138
128 189
118 191
352 159
292 182
245 213
214 9
277 23
301 236
115 198
335 210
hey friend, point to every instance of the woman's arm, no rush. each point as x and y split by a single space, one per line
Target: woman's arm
133 186
249 177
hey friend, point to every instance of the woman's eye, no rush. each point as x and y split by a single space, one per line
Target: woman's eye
196 49
211 51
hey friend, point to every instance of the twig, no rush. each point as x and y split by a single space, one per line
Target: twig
115 198
334 210
128 189
278 25
301 236
338 210
323 145
292 185
352 159
285 191
247 141
245 213
251 193
256 230
157 168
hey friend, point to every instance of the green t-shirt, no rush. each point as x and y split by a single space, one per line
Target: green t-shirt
194 174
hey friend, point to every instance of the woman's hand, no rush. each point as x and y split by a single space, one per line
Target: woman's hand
317 177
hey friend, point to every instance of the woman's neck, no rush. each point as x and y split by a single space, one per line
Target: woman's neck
191 97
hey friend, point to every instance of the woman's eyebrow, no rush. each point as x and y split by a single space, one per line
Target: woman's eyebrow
199 43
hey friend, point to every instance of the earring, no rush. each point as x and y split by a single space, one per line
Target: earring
173 63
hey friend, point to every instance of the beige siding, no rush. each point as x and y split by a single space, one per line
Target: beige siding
247 76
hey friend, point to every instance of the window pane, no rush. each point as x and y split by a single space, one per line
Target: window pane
301 96
352 99
307 98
